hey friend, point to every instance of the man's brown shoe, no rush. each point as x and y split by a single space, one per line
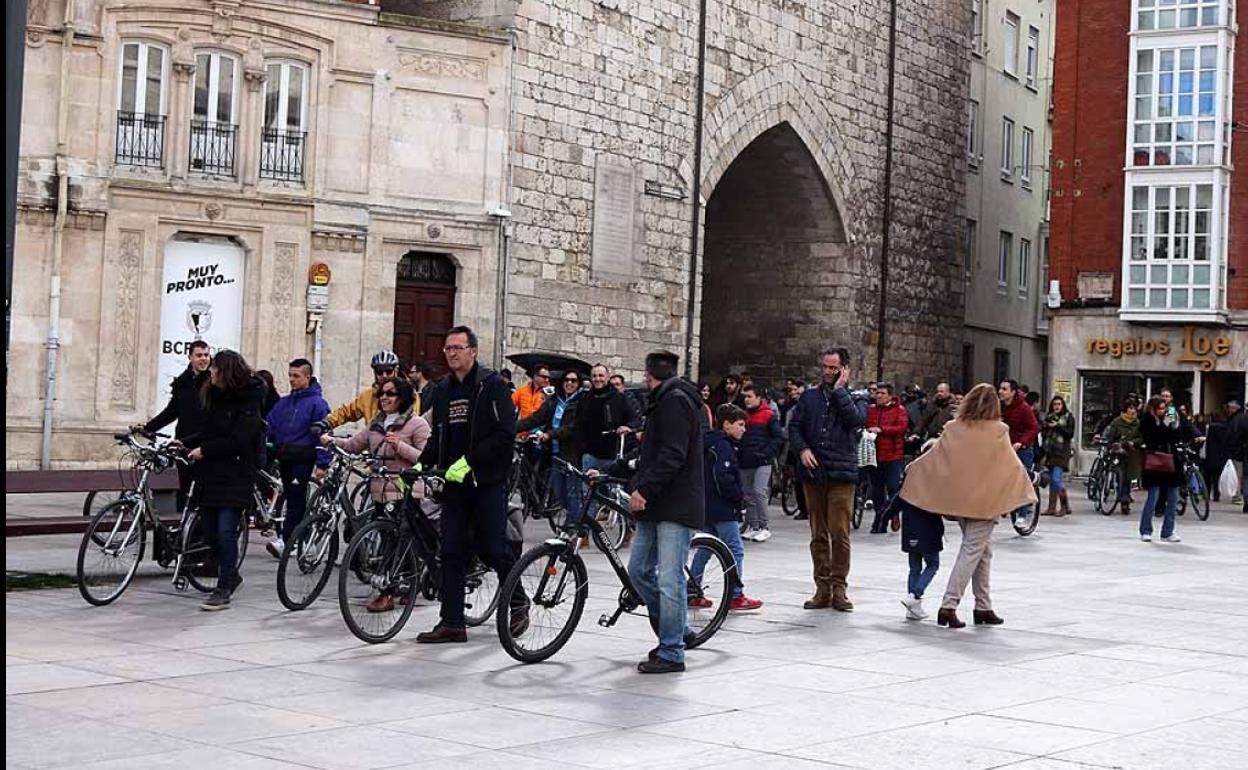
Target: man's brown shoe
817 602
442 635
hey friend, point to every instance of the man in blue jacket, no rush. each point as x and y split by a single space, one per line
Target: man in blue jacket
824 433
290 431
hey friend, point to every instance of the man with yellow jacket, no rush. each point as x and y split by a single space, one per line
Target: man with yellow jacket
366 405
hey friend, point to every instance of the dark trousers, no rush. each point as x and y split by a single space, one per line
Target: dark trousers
295 487
474 521
221 530
885 482
185 476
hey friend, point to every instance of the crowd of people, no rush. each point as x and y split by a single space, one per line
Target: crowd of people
702 459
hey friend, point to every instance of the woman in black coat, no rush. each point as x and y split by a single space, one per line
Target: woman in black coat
224 462
1160 432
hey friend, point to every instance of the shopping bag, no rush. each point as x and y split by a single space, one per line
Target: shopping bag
1228 482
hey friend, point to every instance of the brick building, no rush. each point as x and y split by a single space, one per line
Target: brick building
1149 233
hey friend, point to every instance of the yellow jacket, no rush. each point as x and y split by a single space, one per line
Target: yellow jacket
365 407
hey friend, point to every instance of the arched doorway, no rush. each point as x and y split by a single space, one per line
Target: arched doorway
777 283
424 307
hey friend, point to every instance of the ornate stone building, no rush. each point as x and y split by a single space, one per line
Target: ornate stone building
211 152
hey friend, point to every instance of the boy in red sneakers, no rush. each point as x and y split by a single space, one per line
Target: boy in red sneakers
725 501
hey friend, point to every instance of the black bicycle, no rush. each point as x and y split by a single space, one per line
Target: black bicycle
553 580
1024 525
1193 491
1113 472
115 540
537 500
396 557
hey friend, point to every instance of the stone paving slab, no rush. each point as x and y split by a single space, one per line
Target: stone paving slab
1115 654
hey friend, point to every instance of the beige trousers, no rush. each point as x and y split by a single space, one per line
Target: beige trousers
973 565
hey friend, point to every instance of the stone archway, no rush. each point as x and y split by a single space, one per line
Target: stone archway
777 276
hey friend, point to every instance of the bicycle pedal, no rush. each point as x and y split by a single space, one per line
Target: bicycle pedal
604 620
180 583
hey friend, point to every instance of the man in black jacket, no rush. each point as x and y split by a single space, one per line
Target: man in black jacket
474 425
669 502
606 415
186 407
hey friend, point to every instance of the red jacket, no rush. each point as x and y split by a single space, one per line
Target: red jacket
1024 428
892 420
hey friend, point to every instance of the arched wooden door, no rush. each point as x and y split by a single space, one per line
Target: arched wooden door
424 307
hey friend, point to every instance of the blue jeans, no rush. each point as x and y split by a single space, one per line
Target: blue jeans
730 533
1057 478
885 482
920 576
567 489
657 568
221 527
1146 516
1026 455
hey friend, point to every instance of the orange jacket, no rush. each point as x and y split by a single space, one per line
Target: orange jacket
527 400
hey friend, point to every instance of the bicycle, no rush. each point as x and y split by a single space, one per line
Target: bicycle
116 538
396 556
862 501
1113 471
784 485
1025 525
537 498
1096 473
553 580
1193 489
308 559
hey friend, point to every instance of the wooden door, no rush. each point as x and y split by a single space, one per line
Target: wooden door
423 311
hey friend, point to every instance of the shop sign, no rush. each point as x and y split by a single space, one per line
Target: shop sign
1198 348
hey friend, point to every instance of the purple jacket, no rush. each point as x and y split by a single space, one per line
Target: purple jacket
289 421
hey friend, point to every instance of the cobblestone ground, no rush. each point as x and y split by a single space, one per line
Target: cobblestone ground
1115 653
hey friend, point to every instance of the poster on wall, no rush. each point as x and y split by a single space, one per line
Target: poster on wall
201 299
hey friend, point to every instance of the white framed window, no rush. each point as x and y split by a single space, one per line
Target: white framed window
1025 156
214 116
970 244
1024 267
1173 255
1174 107
1007 148
1033 56
972 133
977 27
1005 247
1009 63
1176 14
141 85
282 139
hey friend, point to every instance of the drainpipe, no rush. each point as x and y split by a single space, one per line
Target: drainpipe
503 216
887 225
58 236
695 223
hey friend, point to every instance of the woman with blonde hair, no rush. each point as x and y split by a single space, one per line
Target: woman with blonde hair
973 475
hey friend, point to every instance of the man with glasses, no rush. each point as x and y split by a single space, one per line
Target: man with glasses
366 406
474 425
529 398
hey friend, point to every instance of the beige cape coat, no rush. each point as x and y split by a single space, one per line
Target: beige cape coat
970 473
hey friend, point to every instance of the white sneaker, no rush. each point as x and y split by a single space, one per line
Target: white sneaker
762 535
275 547
1171 539
1146 538
914 607
749 533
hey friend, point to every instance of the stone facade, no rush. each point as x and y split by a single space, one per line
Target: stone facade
405 149
614 82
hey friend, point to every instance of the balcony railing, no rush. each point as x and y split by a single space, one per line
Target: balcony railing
212 147
281 155
140 139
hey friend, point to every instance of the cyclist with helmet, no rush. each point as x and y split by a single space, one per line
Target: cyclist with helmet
367 405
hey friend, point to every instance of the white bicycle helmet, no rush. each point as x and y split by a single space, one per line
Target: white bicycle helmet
386 359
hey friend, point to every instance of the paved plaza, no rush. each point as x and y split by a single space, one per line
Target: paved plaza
1114 654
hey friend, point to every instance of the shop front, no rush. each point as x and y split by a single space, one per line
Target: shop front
1099 361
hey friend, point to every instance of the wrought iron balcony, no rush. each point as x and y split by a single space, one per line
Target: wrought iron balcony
140 139
213 147
281 155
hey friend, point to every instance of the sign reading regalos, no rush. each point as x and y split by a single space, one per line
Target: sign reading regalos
1196 348
201 299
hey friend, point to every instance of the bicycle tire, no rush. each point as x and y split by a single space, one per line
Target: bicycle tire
860 505
1200 495
480 587
393 563
112 518
704 623
1107 498
204 582
1029 524
96 501
313 548
788 496
528 647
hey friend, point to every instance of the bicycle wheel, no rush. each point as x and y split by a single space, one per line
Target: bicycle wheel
1094 480
1199 494
788 494
94 503
1107 494
198 558
717 581
376 609
860 504
110 552
1025 525
361 499
307 561
480 593
555 585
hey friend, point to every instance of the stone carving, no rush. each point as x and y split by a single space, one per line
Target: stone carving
126 320
254 71
214 211
330 241
223 17
440 65
183 54
284 255
434 232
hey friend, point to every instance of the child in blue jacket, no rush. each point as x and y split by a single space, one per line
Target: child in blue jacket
923 538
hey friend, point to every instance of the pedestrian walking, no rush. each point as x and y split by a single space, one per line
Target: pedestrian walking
291 421
1162 475
1058 441
887 419
669 500
758 449
922 539
1020 416
973 474
824 435
224 453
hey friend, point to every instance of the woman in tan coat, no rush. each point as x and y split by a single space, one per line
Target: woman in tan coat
973 475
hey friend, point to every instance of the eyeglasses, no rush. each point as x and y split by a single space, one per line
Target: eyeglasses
384 372
389 394
541 376
454 348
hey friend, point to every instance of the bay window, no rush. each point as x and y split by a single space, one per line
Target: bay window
1176 14
1175 107
1172 264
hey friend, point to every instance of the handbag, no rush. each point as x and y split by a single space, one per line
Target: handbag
1158 462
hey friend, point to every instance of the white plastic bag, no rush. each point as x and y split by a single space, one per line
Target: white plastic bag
1228 482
